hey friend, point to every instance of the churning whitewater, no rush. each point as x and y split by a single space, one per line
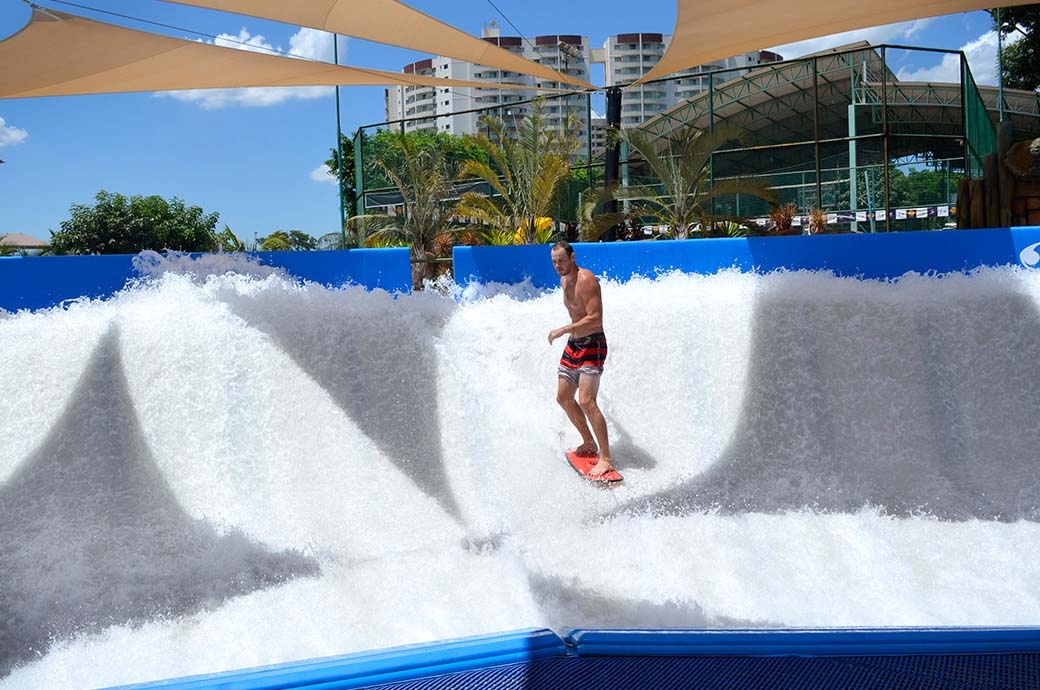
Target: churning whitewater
215 470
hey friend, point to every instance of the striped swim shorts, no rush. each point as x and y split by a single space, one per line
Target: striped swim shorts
583 356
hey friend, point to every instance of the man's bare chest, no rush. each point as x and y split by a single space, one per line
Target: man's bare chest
571 299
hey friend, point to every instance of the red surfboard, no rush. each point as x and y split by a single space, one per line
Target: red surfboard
583 463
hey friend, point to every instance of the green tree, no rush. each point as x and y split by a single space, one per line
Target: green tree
288 241
421 177
384 150
1021 58
682 164
117 224
524 173
349 188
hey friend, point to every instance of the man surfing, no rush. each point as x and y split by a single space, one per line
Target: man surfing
582 363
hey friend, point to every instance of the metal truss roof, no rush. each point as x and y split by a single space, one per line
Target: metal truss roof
790 107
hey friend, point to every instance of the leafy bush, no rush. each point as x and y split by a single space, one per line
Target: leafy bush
117 224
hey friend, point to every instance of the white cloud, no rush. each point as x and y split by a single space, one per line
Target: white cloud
900 32
981 52
9 135
982 58
305 43
322 174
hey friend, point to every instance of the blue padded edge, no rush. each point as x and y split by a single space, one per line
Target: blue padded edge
382 666
803 642
880 256
40 282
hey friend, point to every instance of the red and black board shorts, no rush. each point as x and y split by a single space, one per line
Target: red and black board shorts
584 355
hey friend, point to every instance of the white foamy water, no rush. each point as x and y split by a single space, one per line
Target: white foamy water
207 473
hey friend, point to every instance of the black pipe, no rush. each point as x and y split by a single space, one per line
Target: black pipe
612 159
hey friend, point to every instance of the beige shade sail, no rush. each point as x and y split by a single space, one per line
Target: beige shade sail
59 54
707 30
20 240
391 22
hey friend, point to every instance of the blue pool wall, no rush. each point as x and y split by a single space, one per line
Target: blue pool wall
872 256
37 282
540 659
45 281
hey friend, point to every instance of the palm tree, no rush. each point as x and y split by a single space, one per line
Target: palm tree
228 241
524 173
682 163
422 180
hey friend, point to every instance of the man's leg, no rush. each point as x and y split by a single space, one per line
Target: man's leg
565 397
588 388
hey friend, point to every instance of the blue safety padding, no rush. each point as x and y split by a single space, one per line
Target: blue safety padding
933 672
38 282
803 642
391 665
538 659
872 256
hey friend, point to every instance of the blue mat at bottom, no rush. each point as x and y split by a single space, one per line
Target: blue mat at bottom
924 672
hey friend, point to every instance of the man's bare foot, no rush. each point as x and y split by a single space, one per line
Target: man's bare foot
601 467
585 450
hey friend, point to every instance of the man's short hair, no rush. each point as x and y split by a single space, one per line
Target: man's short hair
565 246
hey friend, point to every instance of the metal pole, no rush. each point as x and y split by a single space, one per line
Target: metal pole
612 170
884 144
339 153
1000 68
870 202
612 155
816 131
588 137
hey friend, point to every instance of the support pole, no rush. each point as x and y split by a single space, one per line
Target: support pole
612 172
339 154
588 139
1000 68
853 191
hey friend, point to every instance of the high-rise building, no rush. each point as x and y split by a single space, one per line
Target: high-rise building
625 57
629 56
444 109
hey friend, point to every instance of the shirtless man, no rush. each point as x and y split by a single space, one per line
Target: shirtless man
582 362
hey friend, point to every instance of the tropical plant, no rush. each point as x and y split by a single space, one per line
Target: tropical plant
817 222
228 241
781 219
524 174
423 182
682 164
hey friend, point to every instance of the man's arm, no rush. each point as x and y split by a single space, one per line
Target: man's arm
587 290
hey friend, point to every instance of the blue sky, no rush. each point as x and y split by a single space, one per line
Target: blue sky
255 155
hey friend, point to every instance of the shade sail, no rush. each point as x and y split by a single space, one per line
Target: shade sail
20 240
391 22
706 30
58 54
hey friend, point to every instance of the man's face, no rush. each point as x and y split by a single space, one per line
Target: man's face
562 261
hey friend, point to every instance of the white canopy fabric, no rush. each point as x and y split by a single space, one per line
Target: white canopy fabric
392 22
58 54
709 30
